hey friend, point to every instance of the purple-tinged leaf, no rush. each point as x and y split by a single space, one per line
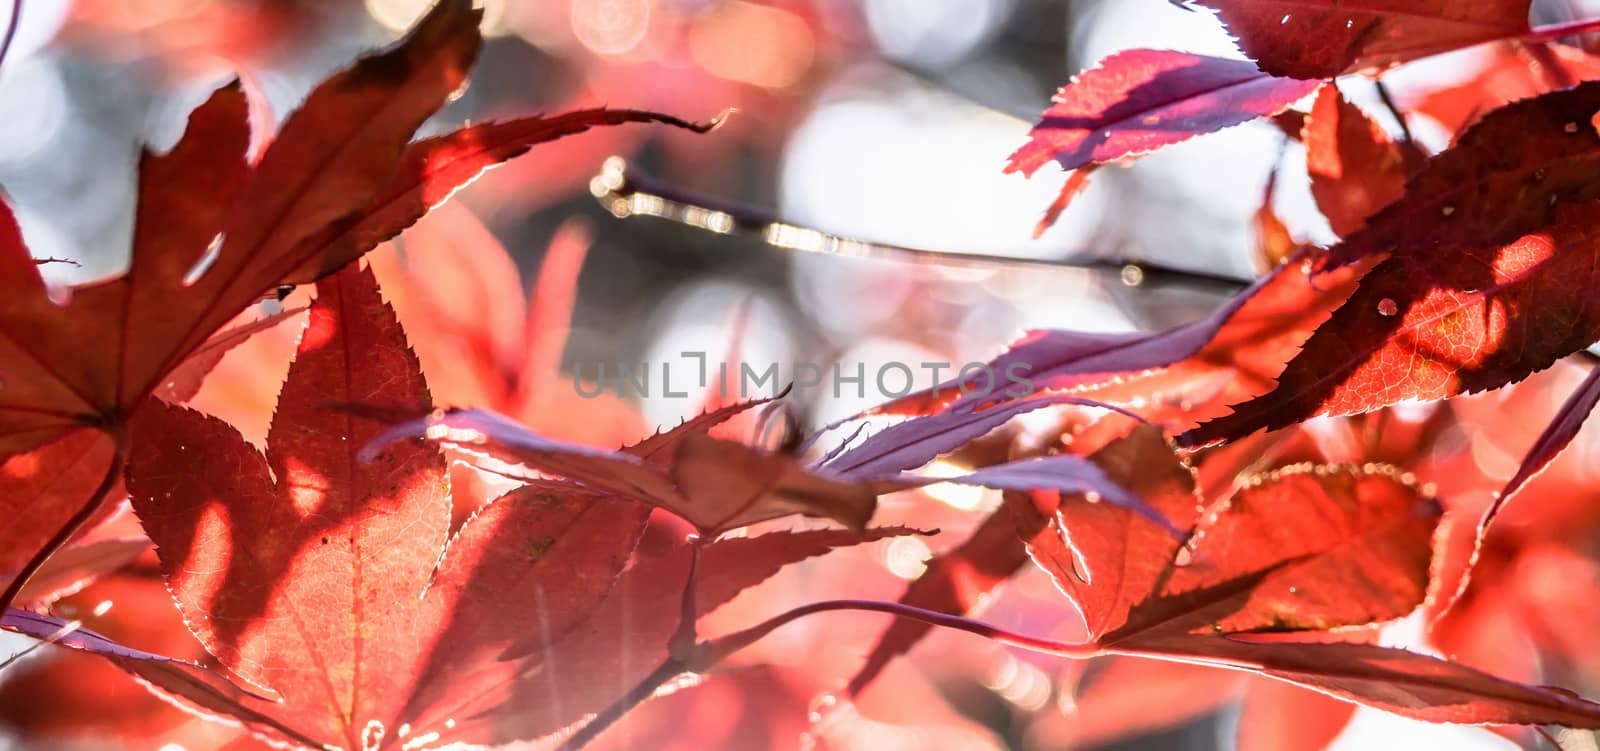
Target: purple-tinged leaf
1054 359
907 445
714 484
492 434
71 634
1560 432
195 687
662 444
1062 472
1555 438
1137 101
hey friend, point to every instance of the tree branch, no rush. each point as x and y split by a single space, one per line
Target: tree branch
11 30
627 192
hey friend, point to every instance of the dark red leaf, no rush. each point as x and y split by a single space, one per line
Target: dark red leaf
327 579
1436 323
332 156
1404 683
1504 179
1326 38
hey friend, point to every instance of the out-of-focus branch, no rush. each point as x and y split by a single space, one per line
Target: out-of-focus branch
627 192
11 30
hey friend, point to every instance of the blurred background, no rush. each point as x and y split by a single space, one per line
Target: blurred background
883 120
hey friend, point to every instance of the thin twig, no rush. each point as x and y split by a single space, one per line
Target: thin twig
11 30
1556 75
1561 30
83 515
1394 110
628 192
684 639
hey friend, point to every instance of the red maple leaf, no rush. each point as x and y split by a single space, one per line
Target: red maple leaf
1304 549
1436 324
1326 38
327 579
214 232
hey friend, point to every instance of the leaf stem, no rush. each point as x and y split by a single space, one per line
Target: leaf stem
714 651
1394 110
83 515
708 654
646 688
684 639
1565 29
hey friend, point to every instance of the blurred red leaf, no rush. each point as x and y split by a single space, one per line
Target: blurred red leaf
1355 167
74 695
1280 717
430 171
76 566
184 382
1509 71
1326 38
954 582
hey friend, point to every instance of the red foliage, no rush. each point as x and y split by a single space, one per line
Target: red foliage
327 557
1324 38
